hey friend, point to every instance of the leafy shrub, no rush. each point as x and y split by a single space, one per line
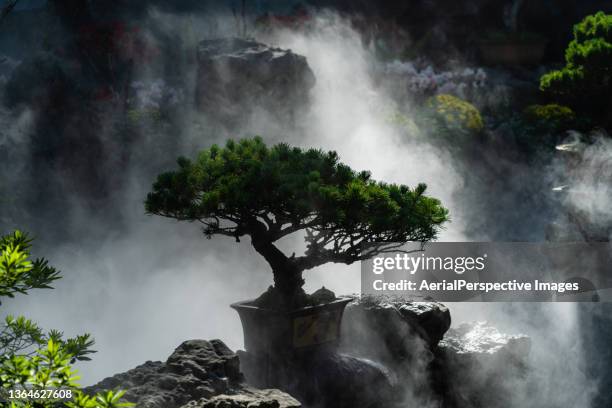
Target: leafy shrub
551 117
50 368
587 75
451 114
29 358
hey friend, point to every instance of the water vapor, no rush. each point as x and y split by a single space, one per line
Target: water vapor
141 284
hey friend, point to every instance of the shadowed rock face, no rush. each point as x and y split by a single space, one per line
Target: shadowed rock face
394 323
402 335
248 398
324 379
473 365
480 341
198 370
237 76
478 366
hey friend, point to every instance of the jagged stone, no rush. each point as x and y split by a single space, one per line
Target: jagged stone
394 322
478 366
237 75
479 340
248 398
325 379
401 335
197 370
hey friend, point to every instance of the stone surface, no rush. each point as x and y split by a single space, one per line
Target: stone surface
401 335
395 322
248 398
324 379
478 366
479 340
474 365
237 76
197 370
322 295
432 317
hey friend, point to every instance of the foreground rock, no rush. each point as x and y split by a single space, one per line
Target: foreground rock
324 379
473 365
480 342
198 370
236 76
396 323
477 366
248 398
399 334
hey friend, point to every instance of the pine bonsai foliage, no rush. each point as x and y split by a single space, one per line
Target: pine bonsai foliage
267 193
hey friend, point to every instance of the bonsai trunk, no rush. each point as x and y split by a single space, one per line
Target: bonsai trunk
288 282
288 279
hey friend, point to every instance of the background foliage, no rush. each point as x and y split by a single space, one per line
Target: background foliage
586 79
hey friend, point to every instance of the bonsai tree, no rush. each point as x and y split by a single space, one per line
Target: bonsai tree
268 193
586 79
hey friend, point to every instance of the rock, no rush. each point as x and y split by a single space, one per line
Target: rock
325 379
399 334
342 381
432 317
322 295
480 341
248 398
197 370
477 366
236 76
395 322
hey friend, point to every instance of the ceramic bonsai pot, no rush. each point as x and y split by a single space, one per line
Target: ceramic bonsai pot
311 328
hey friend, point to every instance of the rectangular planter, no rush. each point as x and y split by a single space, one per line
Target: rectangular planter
306 329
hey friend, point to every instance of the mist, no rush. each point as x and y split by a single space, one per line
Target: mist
142 284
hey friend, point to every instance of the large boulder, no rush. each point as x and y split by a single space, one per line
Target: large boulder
478 366
248 398
401 335
198 370
343 381
472 365
394 322
237 76
323 379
